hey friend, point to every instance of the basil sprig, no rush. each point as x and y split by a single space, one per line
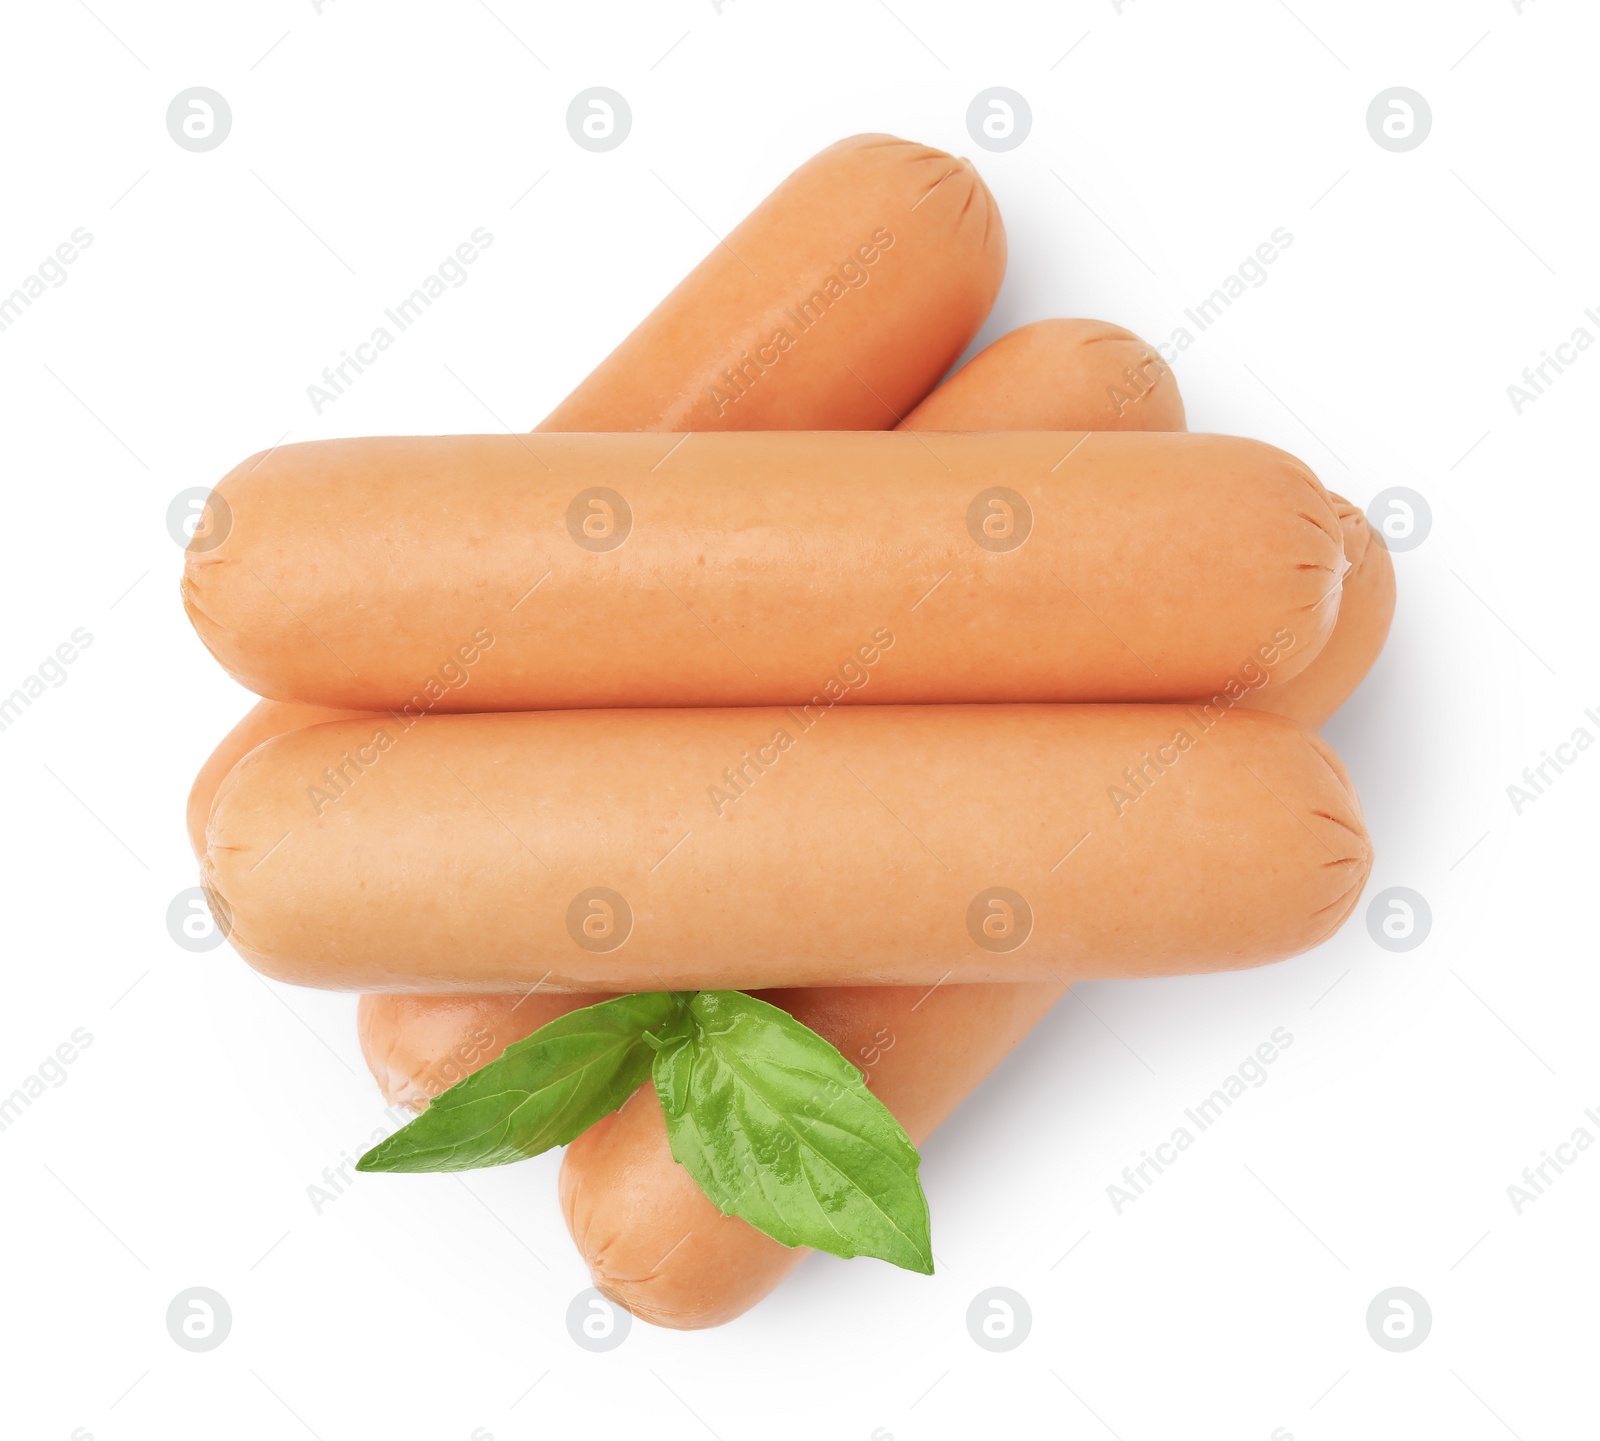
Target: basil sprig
773 1124
541 1091
776 1126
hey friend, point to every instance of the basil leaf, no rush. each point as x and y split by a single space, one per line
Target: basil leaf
777 1127
542 1091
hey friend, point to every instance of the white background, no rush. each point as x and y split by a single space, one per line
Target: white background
1167 142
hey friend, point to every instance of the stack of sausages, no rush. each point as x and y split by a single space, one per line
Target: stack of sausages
770 660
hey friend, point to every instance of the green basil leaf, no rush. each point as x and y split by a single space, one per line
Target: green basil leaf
777 1127
542 1091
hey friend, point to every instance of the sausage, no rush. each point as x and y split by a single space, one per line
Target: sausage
837 303
626 1201
645 850
1050 375
1053 374
727 1265
940 271
1366 606
460 573
262 722
1057 375
653 1241
418 1046
1091 375
621 1191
